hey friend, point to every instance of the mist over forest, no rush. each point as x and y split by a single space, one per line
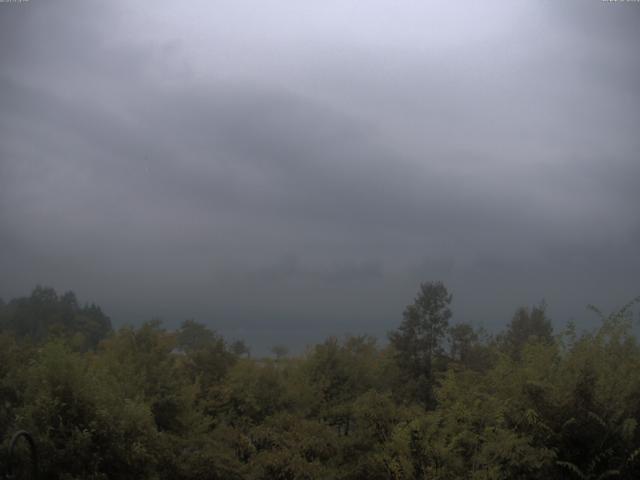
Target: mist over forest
439 400
331 239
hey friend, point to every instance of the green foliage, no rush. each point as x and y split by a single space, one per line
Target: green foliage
526 325
150 403
193 336
469 347
85 427
45 314
418 340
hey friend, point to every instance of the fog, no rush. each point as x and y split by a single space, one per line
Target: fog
286 170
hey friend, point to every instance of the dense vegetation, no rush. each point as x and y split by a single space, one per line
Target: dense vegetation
438 401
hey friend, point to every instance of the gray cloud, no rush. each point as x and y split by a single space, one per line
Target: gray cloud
289 171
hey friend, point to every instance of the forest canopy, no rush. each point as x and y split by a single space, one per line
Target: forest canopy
439 400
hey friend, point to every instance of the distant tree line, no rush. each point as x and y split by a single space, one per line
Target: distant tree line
440 400
45 315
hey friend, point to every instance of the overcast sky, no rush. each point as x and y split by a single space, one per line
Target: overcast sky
286 170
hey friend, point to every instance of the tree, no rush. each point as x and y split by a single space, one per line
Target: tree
338 373
462 338
527 325
45 314
418 340
206 361
194 336
280 351
240 348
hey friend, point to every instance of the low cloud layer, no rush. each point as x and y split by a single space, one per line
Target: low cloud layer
287 170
